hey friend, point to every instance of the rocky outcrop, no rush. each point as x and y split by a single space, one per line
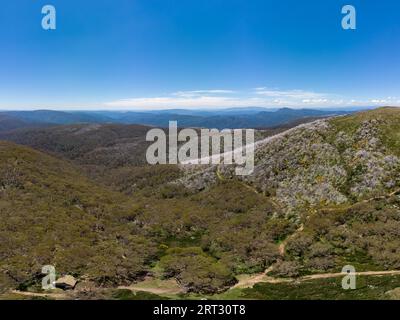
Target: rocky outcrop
66 283
317 164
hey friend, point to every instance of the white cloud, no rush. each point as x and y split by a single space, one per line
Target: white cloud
388 101
291 94
198 93
180 102
257 97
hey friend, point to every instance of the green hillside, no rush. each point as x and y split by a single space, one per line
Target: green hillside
322 196
51 214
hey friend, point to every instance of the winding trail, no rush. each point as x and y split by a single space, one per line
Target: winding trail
263 278
282 246
247 282
52 295
159 287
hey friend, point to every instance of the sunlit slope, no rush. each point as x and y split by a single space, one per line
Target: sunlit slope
335 161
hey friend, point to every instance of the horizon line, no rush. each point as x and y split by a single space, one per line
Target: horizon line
194 109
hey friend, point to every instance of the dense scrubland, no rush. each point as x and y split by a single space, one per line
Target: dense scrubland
322 196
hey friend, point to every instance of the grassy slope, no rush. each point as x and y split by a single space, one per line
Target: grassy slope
389 125
367 288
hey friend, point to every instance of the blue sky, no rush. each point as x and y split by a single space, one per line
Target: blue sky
155 54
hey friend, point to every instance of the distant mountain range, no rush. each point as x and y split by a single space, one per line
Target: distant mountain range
251 117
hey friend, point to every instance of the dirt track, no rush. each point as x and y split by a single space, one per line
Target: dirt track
263 278
247 282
